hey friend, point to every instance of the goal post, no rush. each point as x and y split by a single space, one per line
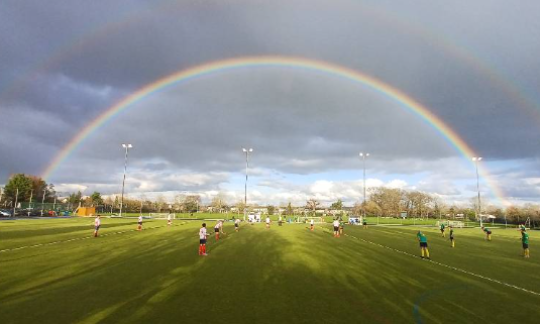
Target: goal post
457 224
316 220
161 215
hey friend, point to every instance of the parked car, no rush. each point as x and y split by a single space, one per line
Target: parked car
5 213
28 212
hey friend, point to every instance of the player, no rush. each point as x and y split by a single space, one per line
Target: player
525 242
488 233
267 222
169 219
341 225
452 236
140 223
217 229
97 224
202 240
423 244
442 229
336 228
237 224
364 223
311 224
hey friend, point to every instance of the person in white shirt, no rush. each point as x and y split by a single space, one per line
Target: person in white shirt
311 224
169 219
267 222
237 224
336 228
202 240
140 223
97 224
217 229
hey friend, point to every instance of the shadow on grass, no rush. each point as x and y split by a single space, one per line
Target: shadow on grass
284 274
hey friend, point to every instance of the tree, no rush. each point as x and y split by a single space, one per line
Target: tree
338 205
219 203
41 188
96 199
271 209
289 211
192 203
513 214
178 204
75 198
439 207
373 209
240 206
312 204
358 209
160 203
21 182
389 200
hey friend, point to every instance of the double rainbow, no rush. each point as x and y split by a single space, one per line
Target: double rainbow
370 82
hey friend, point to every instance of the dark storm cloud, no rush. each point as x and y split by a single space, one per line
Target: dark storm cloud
301 129
298 122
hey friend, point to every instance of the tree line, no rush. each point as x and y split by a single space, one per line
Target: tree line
386 202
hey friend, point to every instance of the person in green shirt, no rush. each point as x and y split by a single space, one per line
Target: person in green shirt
452 236
423 244
488 233
442 229
341 225
525 242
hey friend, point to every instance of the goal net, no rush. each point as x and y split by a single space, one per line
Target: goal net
316 220
162 215
457 224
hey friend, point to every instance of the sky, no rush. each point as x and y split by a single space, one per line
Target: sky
474 65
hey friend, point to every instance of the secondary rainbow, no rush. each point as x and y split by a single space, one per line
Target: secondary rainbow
326 68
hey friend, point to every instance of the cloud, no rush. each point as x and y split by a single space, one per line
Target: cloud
473 66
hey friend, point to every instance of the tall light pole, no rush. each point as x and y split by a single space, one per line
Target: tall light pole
16 199
247 151
43 200
364 156
127 147
479 207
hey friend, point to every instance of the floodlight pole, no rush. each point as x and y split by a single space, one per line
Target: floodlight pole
247 151
30 202
43 201
31 196
127 147
479 208
364 156
16 199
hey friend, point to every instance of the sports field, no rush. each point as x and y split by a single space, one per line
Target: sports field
54 271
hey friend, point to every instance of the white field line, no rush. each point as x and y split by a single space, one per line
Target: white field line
450 267
78 239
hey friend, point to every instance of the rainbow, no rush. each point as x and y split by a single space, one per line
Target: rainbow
283 62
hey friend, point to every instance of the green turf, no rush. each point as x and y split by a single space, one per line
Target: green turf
288 274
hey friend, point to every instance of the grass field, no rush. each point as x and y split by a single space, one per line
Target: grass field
53 271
